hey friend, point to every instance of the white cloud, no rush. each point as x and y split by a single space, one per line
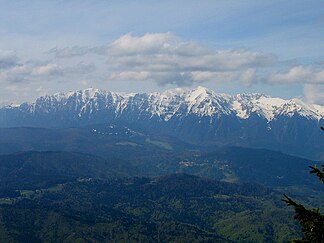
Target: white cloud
46 70
30 72
15 74
161 58
246 77
166 59
314 93
311 78
294 75
8 59
75 51
297 74
319 77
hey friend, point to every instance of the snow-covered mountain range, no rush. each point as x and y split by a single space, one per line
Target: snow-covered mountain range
172 103
197 116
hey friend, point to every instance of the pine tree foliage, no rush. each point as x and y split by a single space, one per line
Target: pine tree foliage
318 172
311 220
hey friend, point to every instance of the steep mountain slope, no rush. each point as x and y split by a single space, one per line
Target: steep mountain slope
198 116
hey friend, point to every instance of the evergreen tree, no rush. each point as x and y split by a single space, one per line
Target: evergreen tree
311 220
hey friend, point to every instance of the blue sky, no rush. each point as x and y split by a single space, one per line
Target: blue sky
272 47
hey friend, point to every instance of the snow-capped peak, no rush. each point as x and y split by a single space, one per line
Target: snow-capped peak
175 103
270 108
175 91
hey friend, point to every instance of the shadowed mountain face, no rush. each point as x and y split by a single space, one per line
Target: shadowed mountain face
198 116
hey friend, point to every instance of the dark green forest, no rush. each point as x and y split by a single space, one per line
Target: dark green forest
147 189
178 207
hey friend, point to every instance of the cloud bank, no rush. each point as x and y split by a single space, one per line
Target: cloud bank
166 59
162 58
8 59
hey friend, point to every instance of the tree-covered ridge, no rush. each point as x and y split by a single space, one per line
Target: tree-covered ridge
178 208
232 164
78 197
33 170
